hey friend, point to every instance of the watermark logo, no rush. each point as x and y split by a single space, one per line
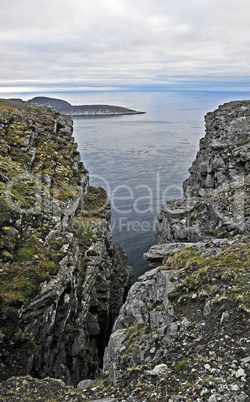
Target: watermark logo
134 208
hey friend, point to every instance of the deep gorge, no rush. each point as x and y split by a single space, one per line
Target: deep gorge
181 331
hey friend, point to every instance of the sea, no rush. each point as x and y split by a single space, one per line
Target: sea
142 160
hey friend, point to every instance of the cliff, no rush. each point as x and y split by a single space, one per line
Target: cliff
182 334
62 280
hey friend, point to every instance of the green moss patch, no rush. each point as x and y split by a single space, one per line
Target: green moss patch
226 274
96 201
20 279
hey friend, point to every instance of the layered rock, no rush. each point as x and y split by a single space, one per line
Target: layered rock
62 279
216 195
182 333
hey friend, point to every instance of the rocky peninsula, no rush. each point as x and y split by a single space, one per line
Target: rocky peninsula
81 110
182 333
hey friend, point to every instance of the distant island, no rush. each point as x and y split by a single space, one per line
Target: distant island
83 110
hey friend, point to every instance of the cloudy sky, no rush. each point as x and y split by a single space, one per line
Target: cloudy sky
53 45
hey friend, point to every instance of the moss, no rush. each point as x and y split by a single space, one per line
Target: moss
5 212
185 258
18 284
24 193
96 201
33 263
102 306
230 267
70 332
180 366
136 331
85 236
25 253
161 307
83 231
219 233
133 338
66 193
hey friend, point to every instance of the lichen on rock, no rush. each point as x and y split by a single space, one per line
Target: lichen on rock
190 314
59 270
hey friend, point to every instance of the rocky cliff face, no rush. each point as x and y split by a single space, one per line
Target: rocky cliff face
216 195
62 280
182 333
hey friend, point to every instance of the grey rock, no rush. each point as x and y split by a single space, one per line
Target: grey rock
85 383
153 286
185 323
207 308
174 329
212 398
67 337
105 400
234 387
242 398
160 368
240 373
224 317
245 360
213 174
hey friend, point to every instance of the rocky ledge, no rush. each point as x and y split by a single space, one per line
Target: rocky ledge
183 332
62 280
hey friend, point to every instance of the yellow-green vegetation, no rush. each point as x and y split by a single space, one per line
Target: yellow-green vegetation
20 279
96 201
25 260
133 338
18 187
83 232
5 211
136 331
64 194
25 124
219 233
229 268
180 366
182 259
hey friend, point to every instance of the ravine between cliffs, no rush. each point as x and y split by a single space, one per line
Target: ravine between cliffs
182 332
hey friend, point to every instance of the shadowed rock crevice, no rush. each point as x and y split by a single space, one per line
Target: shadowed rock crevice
182 333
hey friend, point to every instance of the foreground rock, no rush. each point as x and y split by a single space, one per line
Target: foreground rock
62 280
183 332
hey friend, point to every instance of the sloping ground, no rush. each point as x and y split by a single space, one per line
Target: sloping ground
28 389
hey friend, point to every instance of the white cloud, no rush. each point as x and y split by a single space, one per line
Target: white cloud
123 42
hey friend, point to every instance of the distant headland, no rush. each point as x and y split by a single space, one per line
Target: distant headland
82 110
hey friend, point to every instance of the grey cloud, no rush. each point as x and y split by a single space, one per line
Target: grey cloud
107 41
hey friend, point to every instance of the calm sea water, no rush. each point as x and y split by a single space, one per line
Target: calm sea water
142 160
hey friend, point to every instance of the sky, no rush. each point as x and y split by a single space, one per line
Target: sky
77 45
